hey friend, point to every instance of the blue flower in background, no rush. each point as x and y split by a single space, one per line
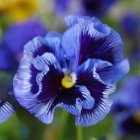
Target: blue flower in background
130 24
14 39
75 71
97 8
127 107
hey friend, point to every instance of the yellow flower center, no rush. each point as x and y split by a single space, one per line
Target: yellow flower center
137 117
68 81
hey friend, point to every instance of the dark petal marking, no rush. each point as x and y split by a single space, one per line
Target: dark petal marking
42 49
94 115
91 40
108 48
34 73
99 92
74 99
38 46
88 77
51 83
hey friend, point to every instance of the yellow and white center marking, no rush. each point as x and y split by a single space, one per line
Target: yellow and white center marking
69 80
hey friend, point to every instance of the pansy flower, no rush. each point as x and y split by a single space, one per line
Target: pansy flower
131 33
75 71
131 28
15 37
126 107
97 8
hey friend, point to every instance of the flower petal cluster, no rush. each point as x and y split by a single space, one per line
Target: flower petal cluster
75 71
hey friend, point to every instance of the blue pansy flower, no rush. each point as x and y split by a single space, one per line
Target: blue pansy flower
97 8
15 37
126 107
75 71
130 24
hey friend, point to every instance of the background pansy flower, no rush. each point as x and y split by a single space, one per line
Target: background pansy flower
18 10
75 71
14 38
126 107
130 27
97 8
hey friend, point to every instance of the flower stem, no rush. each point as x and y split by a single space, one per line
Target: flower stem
62 127
79 133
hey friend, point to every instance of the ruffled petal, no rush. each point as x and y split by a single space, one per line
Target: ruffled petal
88 77
96 114
87 100
87 74
113 74
36 90
89 38
73 100
39 46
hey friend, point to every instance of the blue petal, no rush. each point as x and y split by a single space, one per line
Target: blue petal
54 34
74 100
74 109
96 114
113 74
87 100
6 111
87 75
99 90
88 39
73 19
36 95
37 47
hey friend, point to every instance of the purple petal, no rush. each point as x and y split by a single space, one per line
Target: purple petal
91 39
88 77
113 74
39 103
74 99
96 114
